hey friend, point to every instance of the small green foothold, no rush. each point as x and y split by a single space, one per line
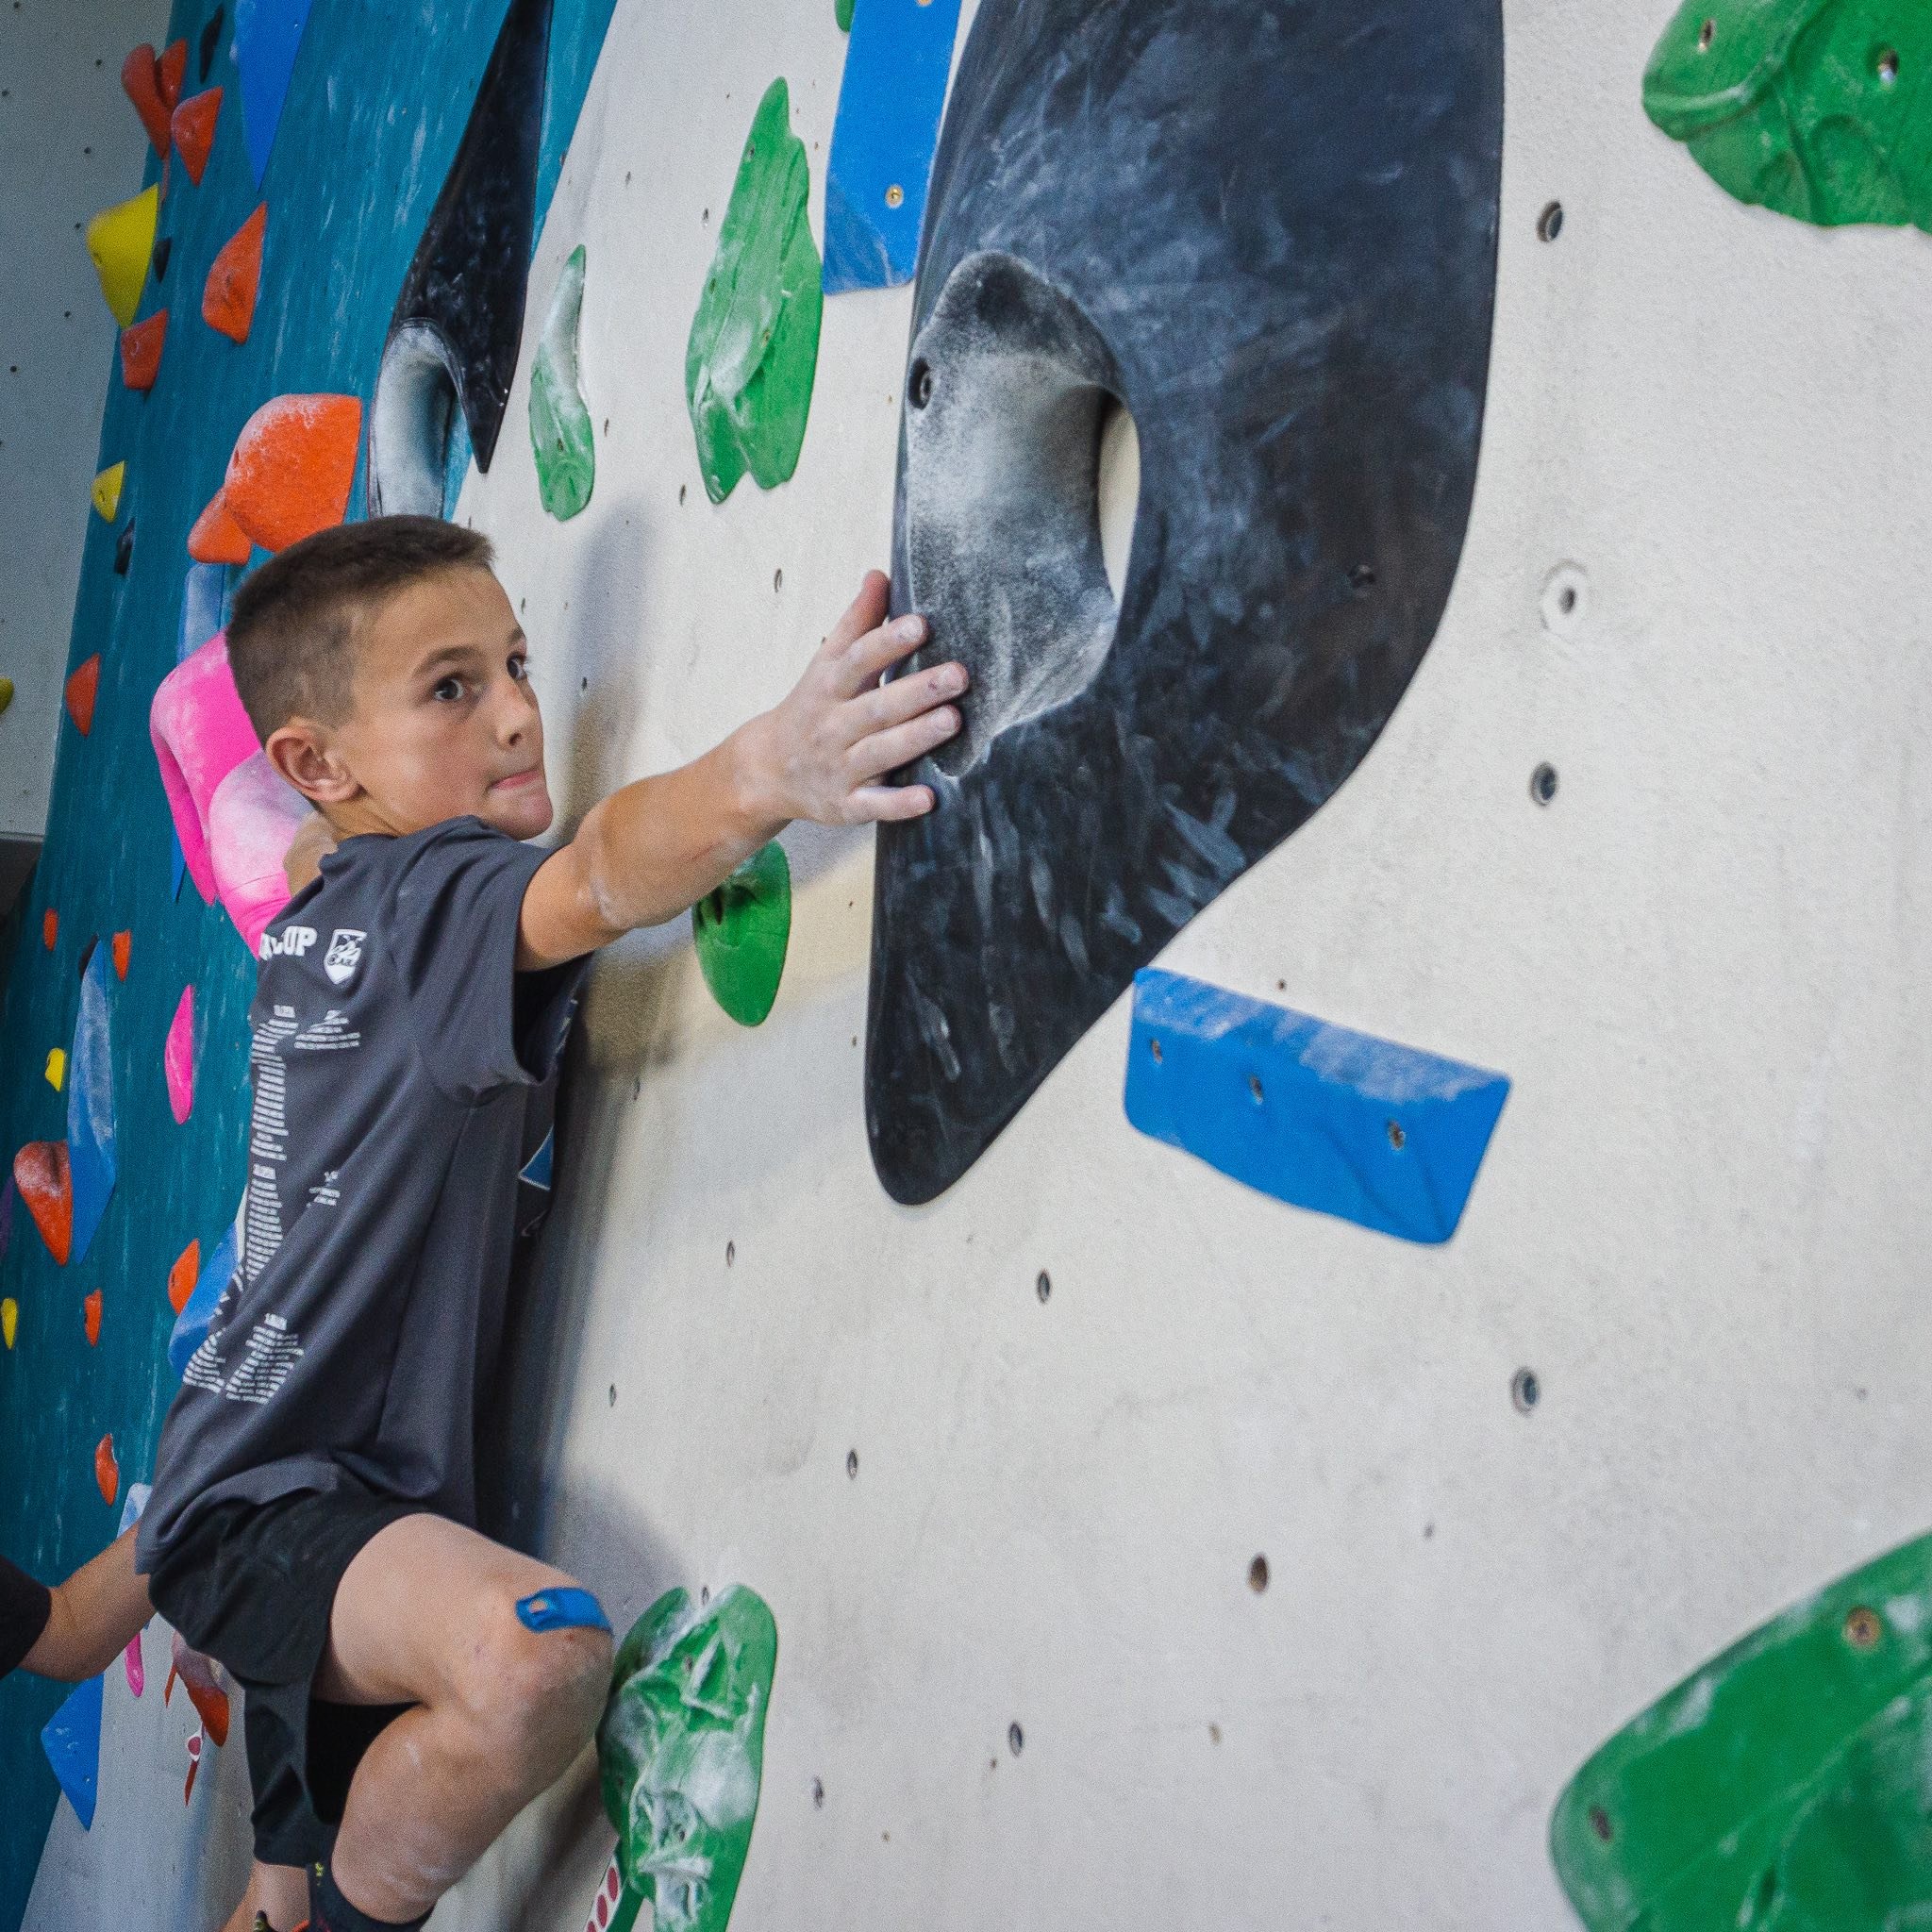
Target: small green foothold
681 1751
561 437
1781 1788
753 350
742 931
1817 109
843 11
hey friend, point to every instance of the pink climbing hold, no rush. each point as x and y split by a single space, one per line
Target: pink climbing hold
137 1671
252 821
177 1059
200 734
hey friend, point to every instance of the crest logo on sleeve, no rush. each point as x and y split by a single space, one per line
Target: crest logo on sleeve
344 954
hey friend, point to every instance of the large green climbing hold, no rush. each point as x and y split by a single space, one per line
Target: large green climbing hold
1817 109
742 929
755 341
560 434
1783 1788
681 1751
841 12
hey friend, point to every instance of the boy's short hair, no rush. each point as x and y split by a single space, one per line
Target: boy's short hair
294 619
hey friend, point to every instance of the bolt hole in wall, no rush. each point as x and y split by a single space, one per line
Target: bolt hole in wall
1016 1738
852 1464
1549 224
1043 1286
1543 784
1257 1574
1525 1392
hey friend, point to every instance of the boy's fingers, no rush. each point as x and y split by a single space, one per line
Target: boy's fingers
883 706
867 611
868 657
887 751
878 804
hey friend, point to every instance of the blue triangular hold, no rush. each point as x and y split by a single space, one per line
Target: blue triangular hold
267 34
203 607
180 865
537 1169
90 1106
71 1740
198 1312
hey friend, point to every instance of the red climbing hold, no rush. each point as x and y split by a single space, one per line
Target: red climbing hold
170 70
216 537
141 76
107 1471
90 1318
293 465
140 350
193 127
181 1277
50 927
227 298
82 688
47 1185
124 950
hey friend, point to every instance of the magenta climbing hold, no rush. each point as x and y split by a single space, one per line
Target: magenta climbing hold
131 1663
252 821
200 734
177 1059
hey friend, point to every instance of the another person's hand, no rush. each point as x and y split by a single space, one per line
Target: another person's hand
821 753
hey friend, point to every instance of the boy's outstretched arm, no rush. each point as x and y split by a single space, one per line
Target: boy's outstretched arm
94 1616
655 848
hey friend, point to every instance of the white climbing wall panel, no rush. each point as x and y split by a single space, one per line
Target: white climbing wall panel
1001 1465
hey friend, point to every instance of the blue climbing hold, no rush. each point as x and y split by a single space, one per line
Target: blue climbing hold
90 1106
71 1740
267 34
1342 1123
198 1311
890 104
537 1169
179 865
562 1610
203 607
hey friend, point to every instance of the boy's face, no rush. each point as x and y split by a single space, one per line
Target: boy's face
444 723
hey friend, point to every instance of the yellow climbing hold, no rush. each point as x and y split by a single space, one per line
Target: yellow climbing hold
10 1320
122 241
106 489
6 693
57 1069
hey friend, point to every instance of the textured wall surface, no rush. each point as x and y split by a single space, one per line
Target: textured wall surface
1700 1222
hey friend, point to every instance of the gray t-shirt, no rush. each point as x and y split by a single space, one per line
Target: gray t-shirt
404 1076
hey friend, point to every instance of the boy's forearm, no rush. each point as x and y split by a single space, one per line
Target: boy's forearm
94 1616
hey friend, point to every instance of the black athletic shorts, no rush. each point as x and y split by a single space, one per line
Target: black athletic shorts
252 1585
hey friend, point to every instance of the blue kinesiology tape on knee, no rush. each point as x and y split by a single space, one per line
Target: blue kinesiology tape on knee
562 1610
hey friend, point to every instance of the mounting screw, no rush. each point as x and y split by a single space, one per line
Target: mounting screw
1043 1287
920 389
1862 1628
1525 1392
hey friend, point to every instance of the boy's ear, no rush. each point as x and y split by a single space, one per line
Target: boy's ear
302 753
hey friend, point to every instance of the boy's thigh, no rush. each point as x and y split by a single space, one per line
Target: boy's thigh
415 1608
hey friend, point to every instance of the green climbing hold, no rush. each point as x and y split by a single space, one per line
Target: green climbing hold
681 1751
1816 108
560 435
755 341
842 12
1782 1787
742 931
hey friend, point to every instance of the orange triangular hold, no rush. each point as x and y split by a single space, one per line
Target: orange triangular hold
47 1185
124 951
82 688
210 1704
140 76
106 1470
170 70
293 465
227 298
182 1274
193 128
216 537
91 1317
50 927
140 350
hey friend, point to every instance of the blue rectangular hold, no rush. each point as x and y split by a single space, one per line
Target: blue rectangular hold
1342 1123
890 104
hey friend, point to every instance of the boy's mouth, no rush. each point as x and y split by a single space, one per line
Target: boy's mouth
520 781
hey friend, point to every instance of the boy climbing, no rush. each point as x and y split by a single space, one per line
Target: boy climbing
410 1685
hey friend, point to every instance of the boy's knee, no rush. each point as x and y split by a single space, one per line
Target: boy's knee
530 1687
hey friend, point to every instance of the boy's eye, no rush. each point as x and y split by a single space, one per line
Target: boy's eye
519 669
448 690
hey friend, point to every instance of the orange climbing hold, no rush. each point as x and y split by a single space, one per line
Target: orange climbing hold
140 74
91 1317
83 687
47 1185
107 1471
193 128
294 466
227 298
124 950
170 70
140 350
50 927
181 1277
216 537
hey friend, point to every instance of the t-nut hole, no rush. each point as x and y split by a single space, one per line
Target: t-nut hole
1543 784
1888 66
1862 1628
1549 224
1525 1392
1257 1574
1706 35
1025 450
